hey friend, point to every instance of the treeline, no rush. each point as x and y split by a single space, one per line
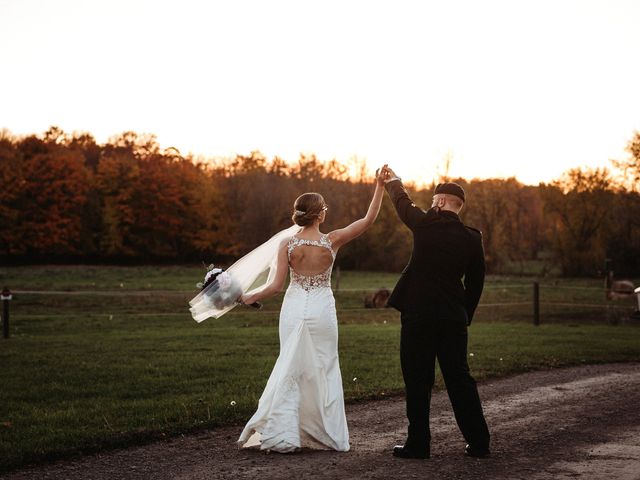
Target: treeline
64 197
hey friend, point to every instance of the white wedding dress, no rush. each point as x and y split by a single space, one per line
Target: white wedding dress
303 402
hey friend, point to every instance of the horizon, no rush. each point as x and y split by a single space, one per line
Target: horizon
501 90
352 163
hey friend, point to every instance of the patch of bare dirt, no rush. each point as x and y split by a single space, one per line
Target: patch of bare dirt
558 424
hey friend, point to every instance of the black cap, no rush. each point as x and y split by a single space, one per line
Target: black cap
450 188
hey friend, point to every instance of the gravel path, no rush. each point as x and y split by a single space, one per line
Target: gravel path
581 422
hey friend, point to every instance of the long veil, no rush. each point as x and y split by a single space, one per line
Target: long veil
245 272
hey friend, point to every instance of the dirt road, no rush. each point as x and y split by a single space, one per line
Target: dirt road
579 422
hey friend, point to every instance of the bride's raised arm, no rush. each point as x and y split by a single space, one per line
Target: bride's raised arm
344 235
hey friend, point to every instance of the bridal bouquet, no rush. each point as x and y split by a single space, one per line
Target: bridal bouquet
220 291
219 288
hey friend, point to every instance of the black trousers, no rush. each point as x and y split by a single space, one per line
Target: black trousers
441 333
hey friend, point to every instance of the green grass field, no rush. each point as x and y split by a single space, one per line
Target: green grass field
84 372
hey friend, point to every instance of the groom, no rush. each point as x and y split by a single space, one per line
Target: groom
436 307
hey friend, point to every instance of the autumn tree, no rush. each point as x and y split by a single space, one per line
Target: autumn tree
485 210
55 183
577 207
11 184
623 233
630 166
116 179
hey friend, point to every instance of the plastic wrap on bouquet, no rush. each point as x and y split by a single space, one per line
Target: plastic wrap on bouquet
222 294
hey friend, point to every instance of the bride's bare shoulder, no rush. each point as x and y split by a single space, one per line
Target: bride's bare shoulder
286 241
334 235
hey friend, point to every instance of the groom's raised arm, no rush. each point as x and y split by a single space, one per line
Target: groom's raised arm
408 212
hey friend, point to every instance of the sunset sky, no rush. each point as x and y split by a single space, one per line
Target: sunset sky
504 88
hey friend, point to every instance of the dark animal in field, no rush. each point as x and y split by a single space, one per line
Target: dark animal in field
618 289
377 299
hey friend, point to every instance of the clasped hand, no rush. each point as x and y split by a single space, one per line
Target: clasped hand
384 175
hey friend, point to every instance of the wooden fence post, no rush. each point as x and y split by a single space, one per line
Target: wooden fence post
536 303
5 297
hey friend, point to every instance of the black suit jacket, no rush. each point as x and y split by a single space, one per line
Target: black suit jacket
447 267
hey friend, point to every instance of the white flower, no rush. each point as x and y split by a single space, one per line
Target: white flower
500 358
233 403
471 354
224 280
355 379
211 272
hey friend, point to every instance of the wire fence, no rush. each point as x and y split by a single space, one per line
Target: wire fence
522 302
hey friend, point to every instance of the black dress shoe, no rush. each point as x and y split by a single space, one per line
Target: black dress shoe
470 451
401 451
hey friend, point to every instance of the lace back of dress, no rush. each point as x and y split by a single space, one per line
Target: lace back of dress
308 280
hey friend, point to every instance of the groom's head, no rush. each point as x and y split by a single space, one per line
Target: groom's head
449 196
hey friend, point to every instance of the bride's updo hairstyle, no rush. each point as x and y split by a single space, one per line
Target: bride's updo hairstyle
307 208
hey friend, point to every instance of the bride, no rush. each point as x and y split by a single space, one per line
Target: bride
303 403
